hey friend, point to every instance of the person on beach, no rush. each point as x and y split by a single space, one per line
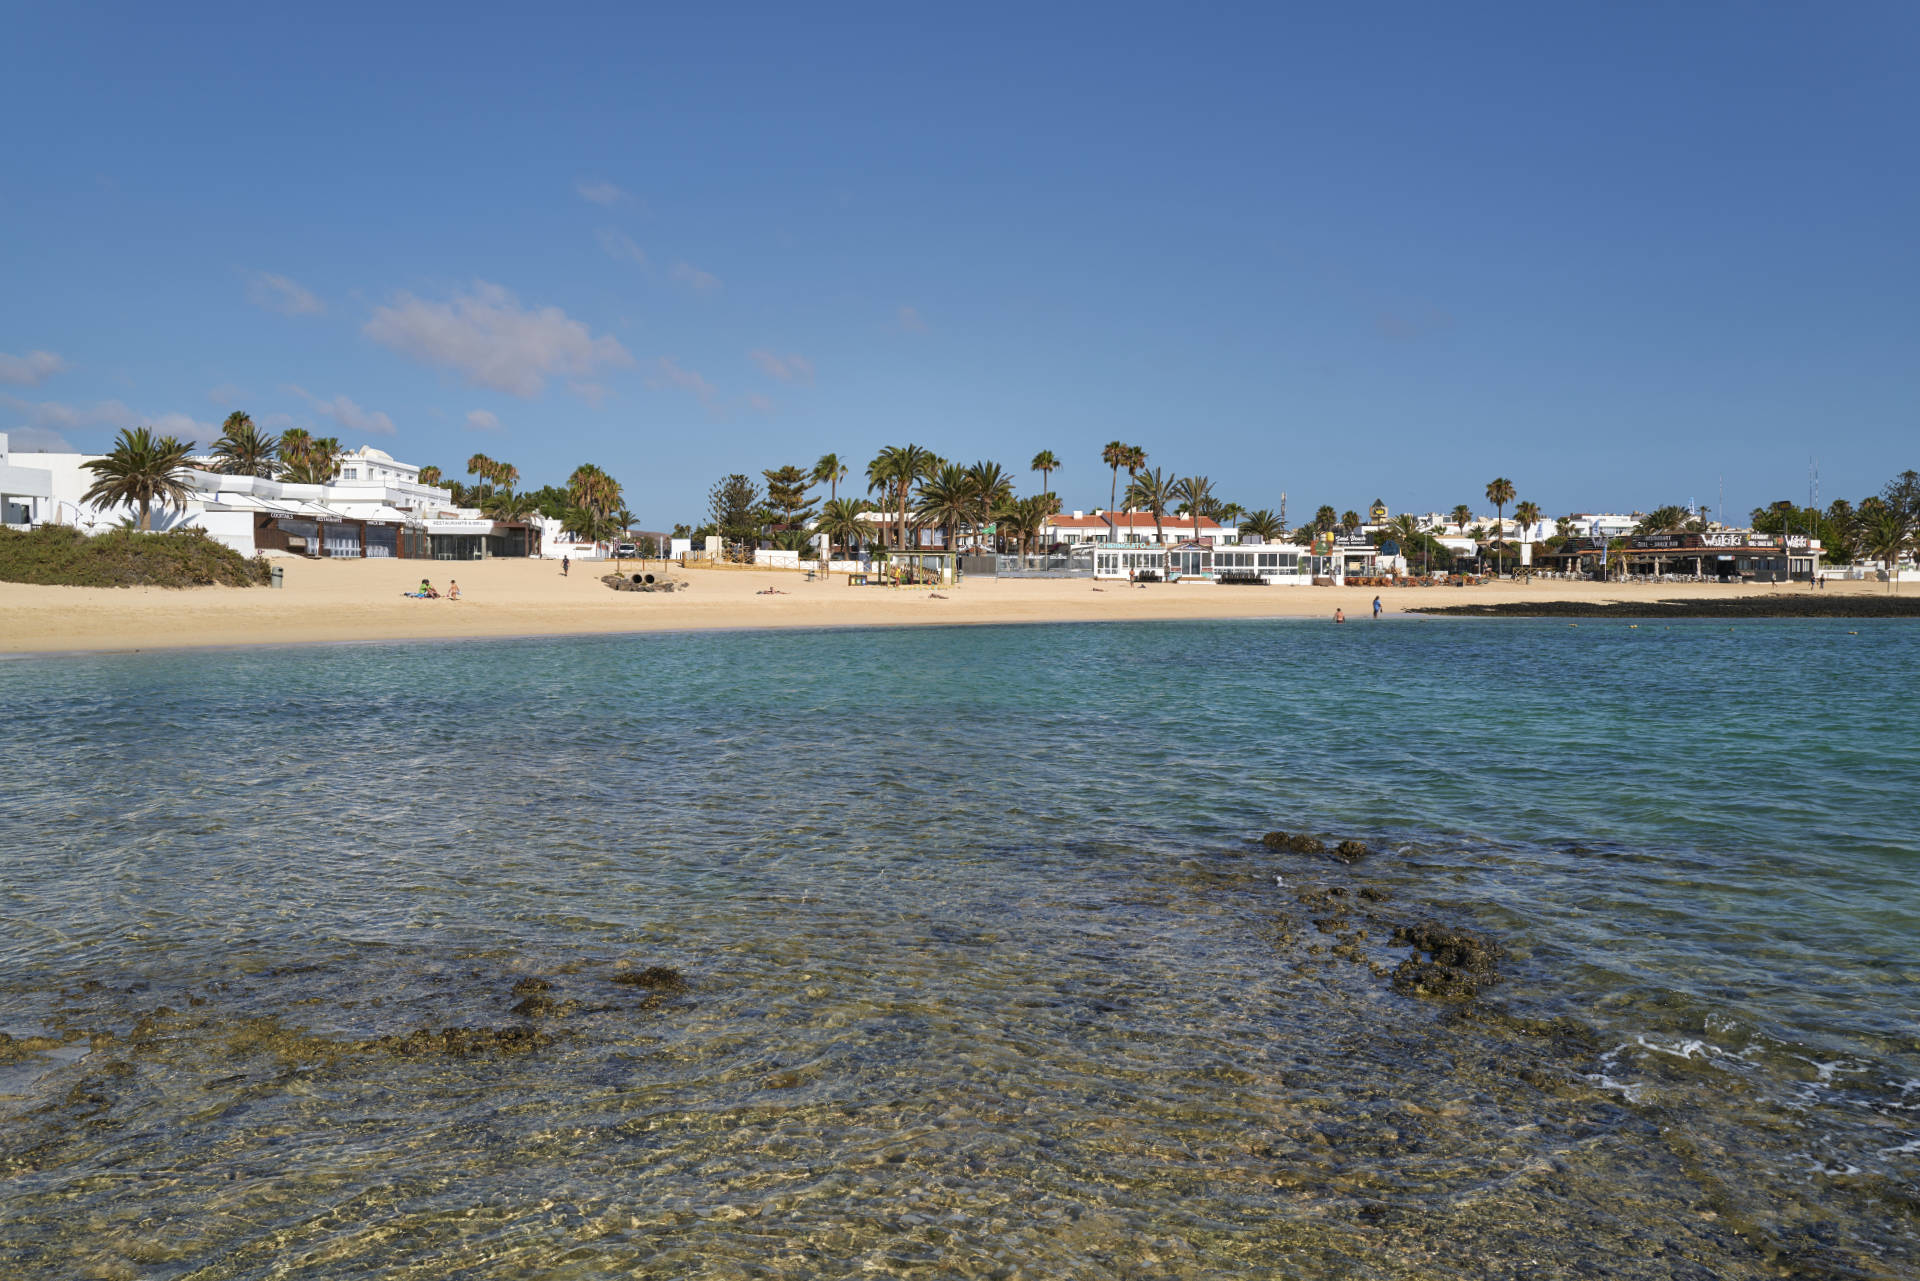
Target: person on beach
453 589
1376 609
565 563
1339 615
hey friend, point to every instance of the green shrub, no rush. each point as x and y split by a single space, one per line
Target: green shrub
61 556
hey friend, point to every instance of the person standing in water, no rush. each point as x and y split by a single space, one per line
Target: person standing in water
1339 615
1376 609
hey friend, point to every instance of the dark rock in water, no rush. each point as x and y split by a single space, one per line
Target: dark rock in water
1350 851
1455 966
1294 843
529 985
462 1041
656 978
1373 895
536 1005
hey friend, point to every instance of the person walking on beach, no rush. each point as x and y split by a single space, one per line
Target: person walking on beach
1376 609
565 562
453 589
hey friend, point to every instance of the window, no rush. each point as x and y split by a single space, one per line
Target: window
350 475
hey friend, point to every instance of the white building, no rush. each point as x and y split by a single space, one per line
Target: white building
1131 527
25 492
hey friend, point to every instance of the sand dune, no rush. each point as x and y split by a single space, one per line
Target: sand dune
361 600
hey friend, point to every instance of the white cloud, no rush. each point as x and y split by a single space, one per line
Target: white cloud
620 246
759 402
788 369
593 393
701 282
599 191
278 293
493 340
346 412
113 415
668 373
482 420
909 318
31 369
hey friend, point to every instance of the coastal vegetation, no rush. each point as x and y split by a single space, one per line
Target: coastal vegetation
62 556
141 470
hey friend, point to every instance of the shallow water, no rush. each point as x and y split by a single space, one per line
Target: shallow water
986 972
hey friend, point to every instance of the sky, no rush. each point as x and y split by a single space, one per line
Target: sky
1625 255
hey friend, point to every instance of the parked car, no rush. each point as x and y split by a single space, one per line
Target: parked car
625 549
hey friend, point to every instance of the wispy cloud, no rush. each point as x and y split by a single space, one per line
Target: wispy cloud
910 320
483 420
488 336
21 439
701 282
620 247
599 192
760 403
344 411
55 417
788 369
278 293
31 369
668 373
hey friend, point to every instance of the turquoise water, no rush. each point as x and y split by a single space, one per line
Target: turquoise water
983 969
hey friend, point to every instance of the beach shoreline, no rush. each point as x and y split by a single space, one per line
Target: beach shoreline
357 600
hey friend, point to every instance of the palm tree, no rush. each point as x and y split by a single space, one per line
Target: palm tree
1229 514
483 467
1499 493
1462 516
1153 492
1407 532
243 449
839 520
1349 521
829 471
1884 535
1264 525
1197 491
992 486
894 472
949 499
141 469
429 475
1046 464
505 504
1116 455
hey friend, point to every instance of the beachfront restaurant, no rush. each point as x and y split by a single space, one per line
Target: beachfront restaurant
1248 562
478 539
1130 562
1721 556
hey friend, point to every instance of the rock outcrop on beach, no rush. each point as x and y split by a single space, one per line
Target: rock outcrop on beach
1803 604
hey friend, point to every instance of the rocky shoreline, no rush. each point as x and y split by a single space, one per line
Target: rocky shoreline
1779 605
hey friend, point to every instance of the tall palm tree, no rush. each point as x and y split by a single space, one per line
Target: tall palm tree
1153 491
1407 532
1046 464
429 475
243 449
1229 514
482 467
141 469
1349 521
1262 524
511 506
993 487
1197 492
894 472
1116 455
1499 493
1462 516
1526 515
829 471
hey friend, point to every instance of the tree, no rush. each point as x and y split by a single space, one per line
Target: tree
1661 520
245 450
141 469
1462 516
787 494
505 504
1884 536
1499 493
733 507
481 466
1046 464
1153 492
830 471
429 475
949 499
1407 533
1349 521
306 459
894 472
1264 525
1902 497
1197 491
1527 514
839 520
1116 455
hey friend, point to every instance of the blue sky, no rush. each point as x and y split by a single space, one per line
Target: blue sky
1621 256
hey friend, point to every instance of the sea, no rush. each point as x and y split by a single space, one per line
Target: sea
1577 950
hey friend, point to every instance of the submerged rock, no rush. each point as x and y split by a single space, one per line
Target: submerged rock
462 1041
1455 966
1350 851
1294 843
656 978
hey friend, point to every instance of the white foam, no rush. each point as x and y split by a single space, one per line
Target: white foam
1630 1091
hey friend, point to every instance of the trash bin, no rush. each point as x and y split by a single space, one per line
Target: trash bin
277 573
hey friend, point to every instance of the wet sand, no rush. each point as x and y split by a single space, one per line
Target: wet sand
326 601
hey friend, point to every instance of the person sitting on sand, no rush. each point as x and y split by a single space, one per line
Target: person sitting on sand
770 591
935 596
425 587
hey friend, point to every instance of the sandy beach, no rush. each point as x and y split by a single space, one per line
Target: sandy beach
325 601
